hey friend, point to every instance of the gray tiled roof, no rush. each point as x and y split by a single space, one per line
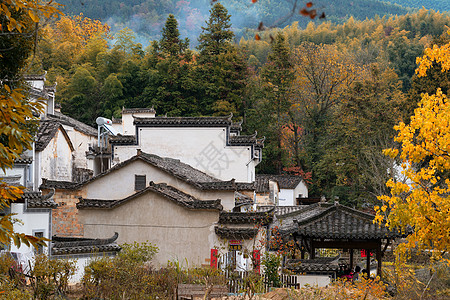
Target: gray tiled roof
66 120
236 127
340 222
324 220
284 182
62 185
235 233
73 245
46 131
246 140
184 121
37 200
241 199
262 218
138 110
164 190
123 140
321 264
23 159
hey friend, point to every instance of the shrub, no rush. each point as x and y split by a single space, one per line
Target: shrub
50 277
271 263
126 276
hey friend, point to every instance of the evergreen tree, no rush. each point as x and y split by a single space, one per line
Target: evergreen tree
277 76
170 84
221 69
170 43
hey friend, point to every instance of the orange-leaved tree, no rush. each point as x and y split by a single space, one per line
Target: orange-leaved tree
421 201
17 19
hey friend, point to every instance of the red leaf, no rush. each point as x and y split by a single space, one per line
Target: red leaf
304 12
312 14
257 37
254 1
309 4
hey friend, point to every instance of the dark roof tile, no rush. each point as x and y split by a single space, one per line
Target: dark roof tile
66 120
123 140
236 233
73 245
284 182
184 121
37 200
46 131
138 110
262 218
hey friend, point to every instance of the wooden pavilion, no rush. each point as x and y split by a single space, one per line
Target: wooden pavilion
324 225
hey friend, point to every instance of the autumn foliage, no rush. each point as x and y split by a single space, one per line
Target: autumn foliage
421 200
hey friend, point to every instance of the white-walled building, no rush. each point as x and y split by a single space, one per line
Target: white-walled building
211 144
280 190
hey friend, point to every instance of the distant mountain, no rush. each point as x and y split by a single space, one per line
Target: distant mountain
146 17
437 5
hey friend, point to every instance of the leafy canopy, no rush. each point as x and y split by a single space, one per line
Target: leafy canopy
422 201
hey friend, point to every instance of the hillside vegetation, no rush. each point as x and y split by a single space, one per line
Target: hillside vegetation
326 97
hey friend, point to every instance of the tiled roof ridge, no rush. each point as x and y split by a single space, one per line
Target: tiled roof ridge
48 184
303 210
137 110
59 243
246 217
236 233
34 199
185 121
71 245
78 125
331 209
123 139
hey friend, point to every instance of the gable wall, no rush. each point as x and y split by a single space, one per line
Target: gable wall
179 233
120 184
56 160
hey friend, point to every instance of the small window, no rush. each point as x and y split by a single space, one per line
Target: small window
40 248
139 182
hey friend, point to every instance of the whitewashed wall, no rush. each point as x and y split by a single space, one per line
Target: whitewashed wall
202 148
32 220
56 160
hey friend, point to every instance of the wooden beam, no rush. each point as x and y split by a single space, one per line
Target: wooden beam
370 244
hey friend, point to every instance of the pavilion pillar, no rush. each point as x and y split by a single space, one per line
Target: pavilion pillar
368 261
379 259
351 258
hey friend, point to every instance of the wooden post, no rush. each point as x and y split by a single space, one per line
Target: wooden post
368 261
351 259
379 259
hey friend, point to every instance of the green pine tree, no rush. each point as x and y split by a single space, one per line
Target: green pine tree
221 70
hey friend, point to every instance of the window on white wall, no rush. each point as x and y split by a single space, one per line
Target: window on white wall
39 234
139 182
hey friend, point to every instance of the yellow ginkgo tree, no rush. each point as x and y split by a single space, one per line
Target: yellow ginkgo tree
421 201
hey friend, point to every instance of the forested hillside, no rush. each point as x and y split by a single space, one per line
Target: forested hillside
326 97
146 17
